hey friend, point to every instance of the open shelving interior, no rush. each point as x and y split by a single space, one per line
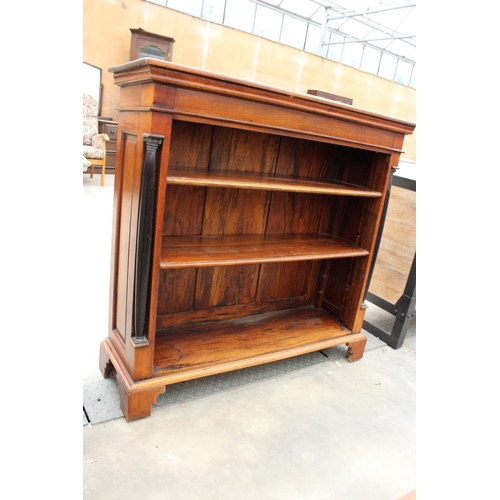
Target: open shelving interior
199 251
262 338
254 226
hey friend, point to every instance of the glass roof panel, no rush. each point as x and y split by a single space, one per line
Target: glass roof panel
304 8
268 23
378 36
294 32
376 19
400 47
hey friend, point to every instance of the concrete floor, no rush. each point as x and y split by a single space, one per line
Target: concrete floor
334 430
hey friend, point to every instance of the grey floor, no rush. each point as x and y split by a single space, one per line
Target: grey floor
320 428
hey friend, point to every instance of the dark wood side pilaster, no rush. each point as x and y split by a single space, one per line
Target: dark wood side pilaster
145 232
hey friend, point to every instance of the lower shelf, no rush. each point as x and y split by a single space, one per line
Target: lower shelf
233 344
186 353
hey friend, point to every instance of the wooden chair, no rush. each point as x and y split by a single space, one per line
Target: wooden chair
94 144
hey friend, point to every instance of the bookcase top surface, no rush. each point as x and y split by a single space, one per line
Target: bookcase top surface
167 72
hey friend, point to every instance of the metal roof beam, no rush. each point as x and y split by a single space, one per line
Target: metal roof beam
367 11
368 40
369 22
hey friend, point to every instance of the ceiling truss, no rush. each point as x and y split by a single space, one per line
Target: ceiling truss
334 19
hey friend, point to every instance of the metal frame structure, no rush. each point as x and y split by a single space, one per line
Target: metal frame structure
372 23
404 308
362 17
336 12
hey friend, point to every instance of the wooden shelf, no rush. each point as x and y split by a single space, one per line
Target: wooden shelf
206 251
214 347
216 178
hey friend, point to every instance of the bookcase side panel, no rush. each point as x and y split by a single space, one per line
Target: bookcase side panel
138 361
122 301
379 177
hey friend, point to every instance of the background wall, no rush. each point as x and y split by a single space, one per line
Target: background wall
205 45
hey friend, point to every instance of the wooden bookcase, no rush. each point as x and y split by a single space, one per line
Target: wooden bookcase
245 217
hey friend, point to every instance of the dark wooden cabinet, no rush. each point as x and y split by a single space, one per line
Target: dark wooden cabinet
245 218
109 127
146 44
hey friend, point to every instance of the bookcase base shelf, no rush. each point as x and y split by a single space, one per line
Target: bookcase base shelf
232 345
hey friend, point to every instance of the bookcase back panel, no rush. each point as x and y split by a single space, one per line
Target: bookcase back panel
299 213
235 212
184 206
198 294
225 286
265 286
301 158
176 290
190 145
283 280
200 211
202 147
238 150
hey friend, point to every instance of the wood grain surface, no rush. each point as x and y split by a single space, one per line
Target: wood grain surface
201 251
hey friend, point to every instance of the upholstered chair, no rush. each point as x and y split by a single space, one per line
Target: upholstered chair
94 144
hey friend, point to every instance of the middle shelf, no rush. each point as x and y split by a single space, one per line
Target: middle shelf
206 251
246 180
